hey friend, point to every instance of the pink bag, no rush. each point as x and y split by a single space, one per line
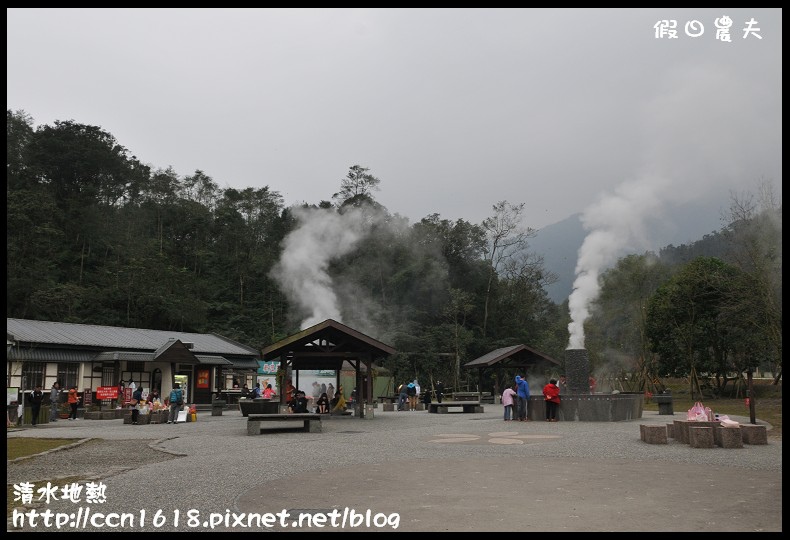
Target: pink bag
697 412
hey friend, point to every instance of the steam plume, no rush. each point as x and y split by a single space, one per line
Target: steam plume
322 235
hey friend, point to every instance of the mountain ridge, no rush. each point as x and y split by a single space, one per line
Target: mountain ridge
559 242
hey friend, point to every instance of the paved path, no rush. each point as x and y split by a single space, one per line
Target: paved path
421 471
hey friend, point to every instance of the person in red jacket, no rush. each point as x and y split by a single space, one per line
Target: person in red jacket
552 394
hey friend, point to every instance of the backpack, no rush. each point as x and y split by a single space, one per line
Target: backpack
176 396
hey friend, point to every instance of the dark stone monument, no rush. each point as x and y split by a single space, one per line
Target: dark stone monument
577 371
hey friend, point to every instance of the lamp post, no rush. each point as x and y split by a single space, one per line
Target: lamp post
750 385
22 416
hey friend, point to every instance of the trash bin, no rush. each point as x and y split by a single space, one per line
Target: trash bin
216 407
664 403
43 415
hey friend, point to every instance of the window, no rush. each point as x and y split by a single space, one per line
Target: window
135 366
67 375
33 375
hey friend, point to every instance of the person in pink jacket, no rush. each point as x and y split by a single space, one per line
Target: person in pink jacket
551 392
507 401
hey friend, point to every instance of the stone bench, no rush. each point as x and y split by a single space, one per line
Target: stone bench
754 434
681 428
256 422
466 406
701 436
653 434
728 437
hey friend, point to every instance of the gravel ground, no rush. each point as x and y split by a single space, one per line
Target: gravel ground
414 471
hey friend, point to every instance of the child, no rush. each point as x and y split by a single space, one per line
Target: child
507 401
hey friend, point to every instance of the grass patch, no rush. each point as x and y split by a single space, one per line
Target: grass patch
768 403
27 446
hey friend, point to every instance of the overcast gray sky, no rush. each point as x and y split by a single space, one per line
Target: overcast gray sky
453 109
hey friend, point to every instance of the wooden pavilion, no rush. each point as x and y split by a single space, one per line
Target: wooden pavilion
331 345
517 357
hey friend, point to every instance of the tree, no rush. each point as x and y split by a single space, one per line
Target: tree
755 238
19 131
506 238
615 331
691 320
357 186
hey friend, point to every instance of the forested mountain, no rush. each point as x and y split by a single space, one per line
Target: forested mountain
96 236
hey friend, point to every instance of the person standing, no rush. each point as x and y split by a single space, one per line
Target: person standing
551 392
35 404
330 392
54 398
508 397
426 399
411 392
176 402
439 391
522 391
403 396
269 392
137 397
74 401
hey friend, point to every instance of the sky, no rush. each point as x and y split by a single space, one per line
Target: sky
566 110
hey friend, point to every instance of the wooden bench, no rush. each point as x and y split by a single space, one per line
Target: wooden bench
467 406
255 422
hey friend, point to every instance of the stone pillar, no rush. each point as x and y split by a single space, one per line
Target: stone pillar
577 371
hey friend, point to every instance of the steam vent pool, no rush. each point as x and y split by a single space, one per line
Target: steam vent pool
578 405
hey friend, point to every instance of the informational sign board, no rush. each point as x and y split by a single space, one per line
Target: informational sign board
13 395
268 368
106 392
87 397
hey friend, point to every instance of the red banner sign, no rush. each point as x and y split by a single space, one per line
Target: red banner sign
107 392
202 378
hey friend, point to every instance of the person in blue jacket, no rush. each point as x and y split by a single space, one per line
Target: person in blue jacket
522 390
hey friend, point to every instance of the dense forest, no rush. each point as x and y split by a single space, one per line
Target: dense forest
96 236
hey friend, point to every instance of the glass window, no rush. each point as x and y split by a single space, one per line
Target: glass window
67 375
33 375
135 366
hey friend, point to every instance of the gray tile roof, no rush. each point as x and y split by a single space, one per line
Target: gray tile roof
89 335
